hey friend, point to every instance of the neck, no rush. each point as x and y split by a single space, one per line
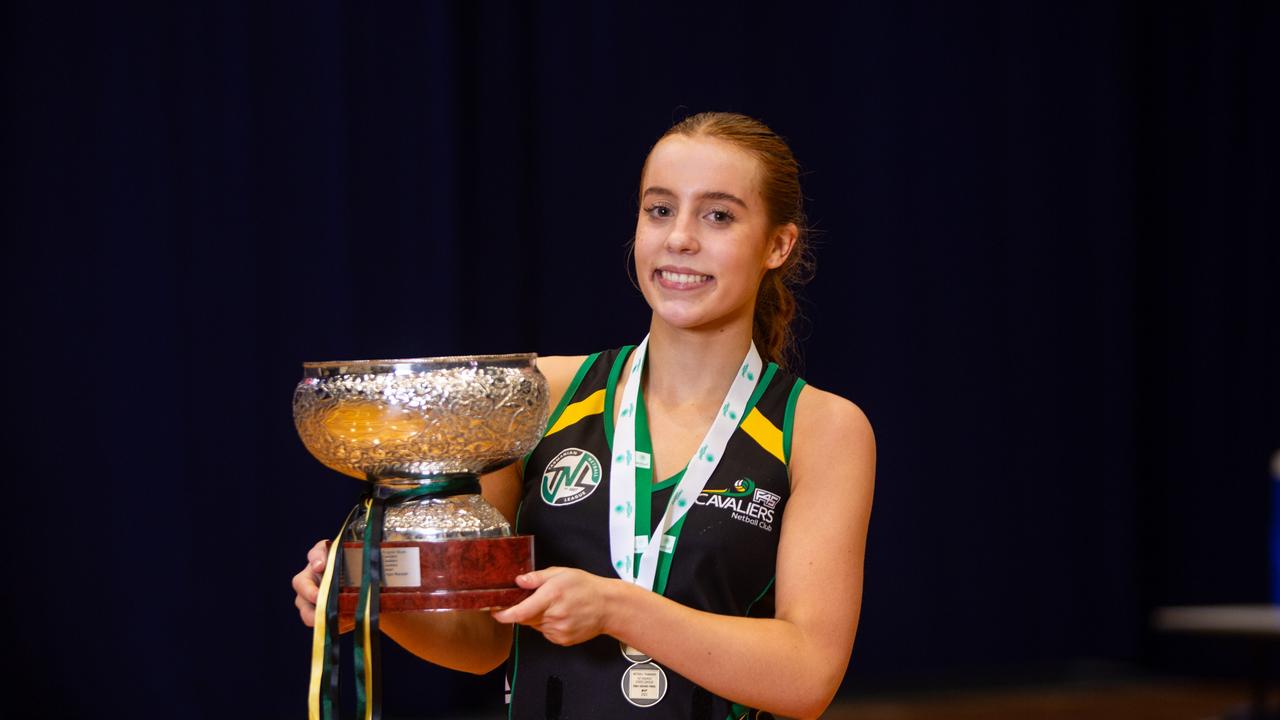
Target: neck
694 366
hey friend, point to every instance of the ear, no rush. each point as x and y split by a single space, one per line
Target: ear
781 243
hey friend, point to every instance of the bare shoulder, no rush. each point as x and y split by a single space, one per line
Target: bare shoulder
829 415
559 370
833 438
560 365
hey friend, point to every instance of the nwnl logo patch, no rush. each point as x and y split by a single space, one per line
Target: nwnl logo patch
570 477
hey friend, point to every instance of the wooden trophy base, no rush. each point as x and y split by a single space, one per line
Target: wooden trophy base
474 574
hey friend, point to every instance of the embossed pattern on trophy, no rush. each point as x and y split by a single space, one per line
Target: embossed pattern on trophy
436 422
448 518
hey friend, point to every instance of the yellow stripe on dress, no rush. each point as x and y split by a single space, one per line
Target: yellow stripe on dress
765 433
592 405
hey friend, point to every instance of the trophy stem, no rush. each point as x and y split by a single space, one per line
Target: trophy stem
399 489
439 508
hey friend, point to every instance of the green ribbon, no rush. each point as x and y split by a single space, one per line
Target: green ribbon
443 486
369 699
367 666
332 648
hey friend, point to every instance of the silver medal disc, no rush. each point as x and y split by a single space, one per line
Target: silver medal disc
644 684
633 655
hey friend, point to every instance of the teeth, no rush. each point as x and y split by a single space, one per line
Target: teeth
682 278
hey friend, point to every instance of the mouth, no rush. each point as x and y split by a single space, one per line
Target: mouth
681 279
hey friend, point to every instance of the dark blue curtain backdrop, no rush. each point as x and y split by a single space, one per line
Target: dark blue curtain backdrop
1047 270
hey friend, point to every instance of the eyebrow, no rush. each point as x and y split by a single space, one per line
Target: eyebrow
708 195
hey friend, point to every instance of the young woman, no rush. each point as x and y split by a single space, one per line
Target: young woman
700 513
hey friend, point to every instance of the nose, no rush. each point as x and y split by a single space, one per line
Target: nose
683 237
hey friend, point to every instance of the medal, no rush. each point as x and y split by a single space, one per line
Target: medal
638 556
644 684
633 655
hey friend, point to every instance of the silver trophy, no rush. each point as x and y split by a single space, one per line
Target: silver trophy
421 431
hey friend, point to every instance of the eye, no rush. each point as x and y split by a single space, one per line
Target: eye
658 211
720 217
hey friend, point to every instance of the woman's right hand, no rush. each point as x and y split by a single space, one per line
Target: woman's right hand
307 583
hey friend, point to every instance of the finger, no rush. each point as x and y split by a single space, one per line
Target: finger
525 612
306 611
318 555
534 580
304 585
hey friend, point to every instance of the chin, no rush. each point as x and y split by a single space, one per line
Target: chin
682 321
691 319
688 314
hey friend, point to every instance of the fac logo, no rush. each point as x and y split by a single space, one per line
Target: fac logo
570 477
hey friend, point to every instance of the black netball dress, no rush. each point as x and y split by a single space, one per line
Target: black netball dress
724 562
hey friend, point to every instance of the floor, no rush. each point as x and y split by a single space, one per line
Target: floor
1132 700
1163 700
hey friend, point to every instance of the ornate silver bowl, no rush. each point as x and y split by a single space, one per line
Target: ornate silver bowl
405 423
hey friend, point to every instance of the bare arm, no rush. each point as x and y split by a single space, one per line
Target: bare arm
791 664
464 640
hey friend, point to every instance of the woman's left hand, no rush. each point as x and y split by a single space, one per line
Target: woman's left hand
568 606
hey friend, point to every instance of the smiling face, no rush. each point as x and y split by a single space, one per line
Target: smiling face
703 236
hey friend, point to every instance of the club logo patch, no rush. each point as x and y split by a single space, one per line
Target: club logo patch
744 502
570 477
